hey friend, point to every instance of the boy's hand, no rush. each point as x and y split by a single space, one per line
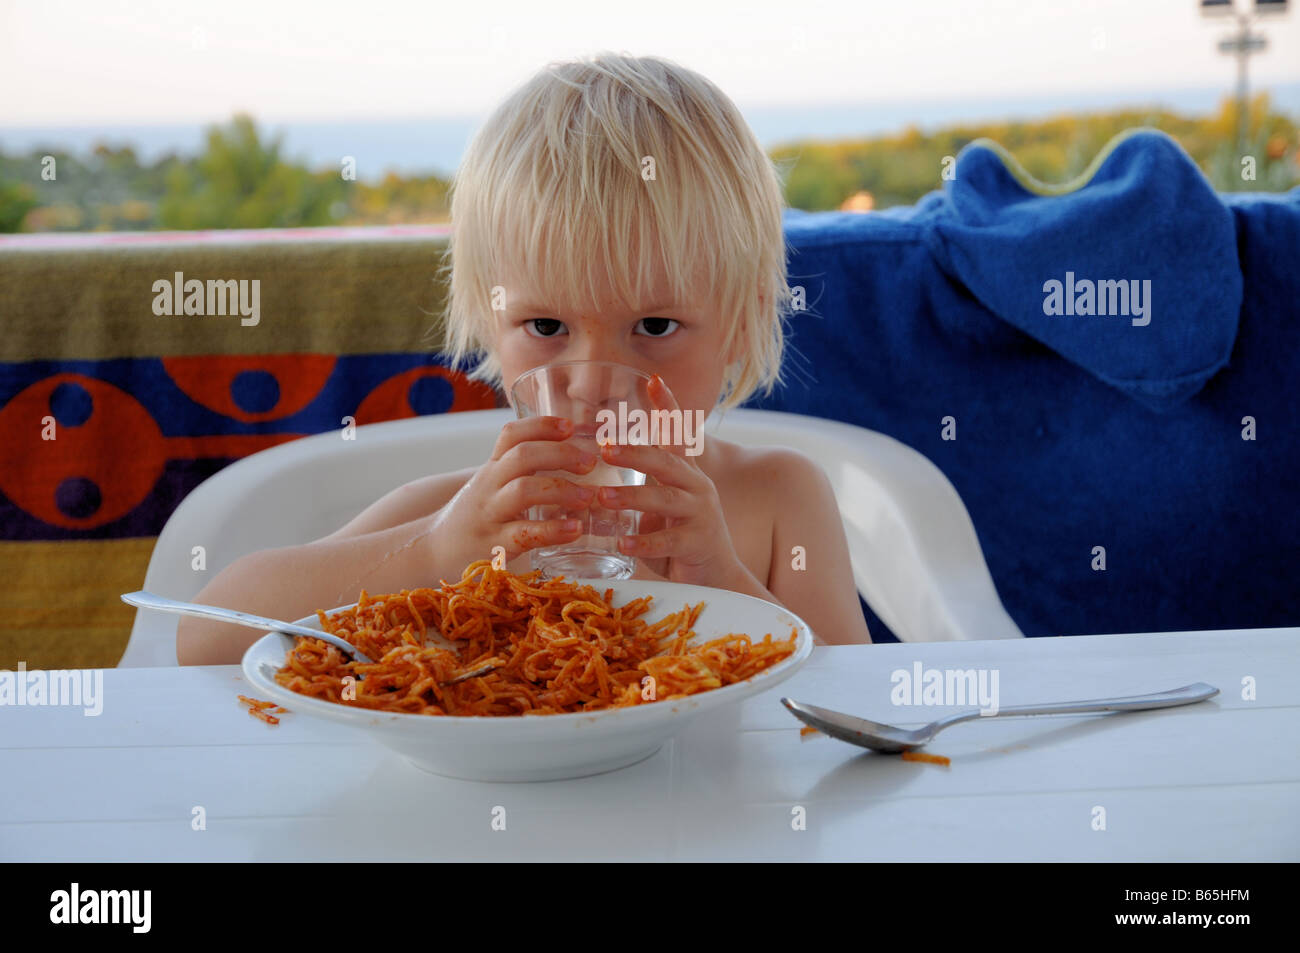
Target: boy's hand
681 513
491 509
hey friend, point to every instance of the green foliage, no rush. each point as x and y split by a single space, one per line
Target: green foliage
396 200
16 200
109 191
242 180
898 170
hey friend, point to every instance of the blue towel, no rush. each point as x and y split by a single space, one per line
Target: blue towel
1117 434
1147 225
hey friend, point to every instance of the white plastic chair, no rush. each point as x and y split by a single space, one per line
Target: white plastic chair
916 559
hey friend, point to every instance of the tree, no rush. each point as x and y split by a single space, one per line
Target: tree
240 181
16 200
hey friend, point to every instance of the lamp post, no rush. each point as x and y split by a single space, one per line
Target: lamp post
1242 44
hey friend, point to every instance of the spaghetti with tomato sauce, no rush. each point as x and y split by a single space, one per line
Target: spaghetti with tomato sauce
560 647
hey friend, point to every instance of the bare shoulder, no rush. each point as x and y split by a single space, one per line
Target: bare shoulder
407 502
772 471
802 497
762 490
811 570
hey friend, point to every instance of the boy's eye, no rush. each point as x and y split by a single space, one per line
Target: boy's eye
544 327
658 327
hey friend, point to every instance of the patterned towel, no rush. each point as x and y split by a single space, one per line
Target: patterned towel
110 413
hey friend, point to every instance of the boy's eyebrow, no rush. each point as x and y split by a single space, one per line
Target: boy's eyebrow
530 306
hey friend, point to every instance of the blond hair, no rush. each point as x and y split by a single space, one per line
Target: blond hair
556 186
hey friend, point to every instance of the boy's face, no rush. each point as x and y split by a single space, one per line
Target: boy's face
681 343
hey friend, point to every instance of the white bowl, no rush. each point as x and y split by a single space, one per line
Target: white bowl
550 747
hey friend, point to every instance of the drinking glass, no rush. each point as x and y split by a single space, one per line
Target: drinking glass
596 396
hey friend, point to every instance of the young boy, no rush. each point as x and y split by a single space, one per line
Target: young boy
615 209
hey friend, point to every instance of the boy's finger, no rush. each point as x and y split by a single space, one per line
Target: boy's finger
538 455
660 394
651 522
524 492
659 462
666 542
531 428
663 399
523 535
665 500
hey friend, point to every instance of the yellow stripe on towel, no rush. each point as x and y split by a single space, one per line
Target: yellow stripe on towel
61 604
1033 185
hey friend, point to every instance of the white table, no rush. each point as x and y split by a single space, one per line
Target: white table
1219 780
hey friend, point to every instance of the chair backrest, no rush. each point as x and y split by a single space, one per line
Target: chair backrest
916 559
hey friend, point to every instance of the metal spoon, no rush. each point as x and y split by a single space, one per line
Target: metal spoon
147 600
887 738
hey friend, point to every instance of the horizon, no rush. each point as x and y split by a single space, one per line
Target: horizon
434 147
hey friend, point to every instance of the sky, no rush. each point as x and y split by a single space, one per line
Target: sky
111 61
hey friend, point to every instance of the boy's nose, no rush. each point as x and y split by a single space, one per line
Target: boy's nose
591 384
592 377
595 386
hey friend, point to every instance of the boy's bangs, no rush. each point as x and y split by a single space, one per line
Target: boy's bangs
577 252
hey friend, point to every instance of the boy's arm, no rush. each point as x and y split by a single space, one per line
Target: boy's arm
386 548
822 592
419 534
408 502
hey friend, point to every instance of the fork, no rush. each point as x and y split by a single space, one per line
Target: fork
147 600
